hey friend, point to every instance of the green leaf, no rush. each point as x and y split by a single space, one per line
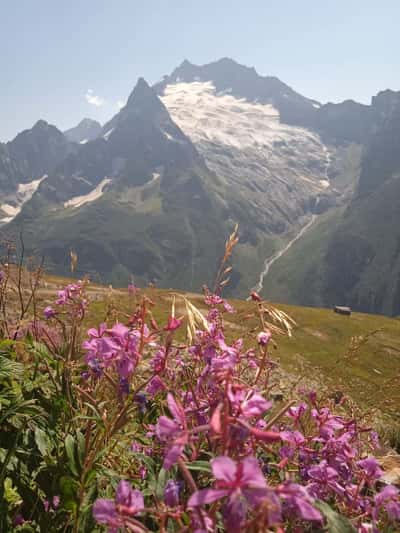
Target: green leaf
336 523
43 441
10 369
11 494
69 490
81 448
70 449
148 461
161 481
199 466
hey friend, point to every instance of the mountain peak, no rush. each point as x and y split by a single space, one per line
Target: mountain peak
40 125
87 122
87 130
143 99
186 63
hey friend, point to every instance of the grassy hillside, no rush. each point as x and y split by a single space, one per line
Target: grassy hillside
298 276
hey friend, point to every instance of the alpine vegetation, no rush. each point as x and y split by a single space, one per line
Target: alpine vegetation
122 420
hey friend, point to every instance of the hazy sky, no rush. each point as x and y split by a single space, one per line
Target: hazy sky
64 60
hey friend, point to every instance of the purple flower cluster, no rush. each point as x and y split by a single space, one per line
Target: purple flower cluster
269 466
121 511
71 300
115 350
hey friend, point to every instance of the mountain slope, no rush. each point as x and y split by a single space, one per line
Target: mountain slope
352 256
365 249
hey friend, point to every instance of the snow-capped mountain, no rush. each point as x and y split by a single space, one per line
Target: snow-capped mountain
246 145
240 81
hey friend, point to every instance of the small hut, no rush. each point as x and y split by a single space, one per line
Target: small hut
342 310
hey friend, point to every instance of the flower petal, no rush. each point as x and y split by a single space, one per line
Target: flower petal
166 428
175 451
176 409
252 474
204 496
224 468
105 512
306 510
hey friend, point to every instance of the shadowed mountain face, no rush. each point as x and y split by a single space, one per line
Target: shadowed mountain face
131 147
87 130
24 164
31 154
365 249
156 190
352 256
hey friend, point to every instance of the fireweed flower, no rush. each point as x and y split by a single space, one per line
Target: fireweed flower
155 386
49 312
297 412
247 403
388 499
173 432
173 324
324 479
234 481
171 493
113 348
327 423
294 442
18 520
73 299
371 469
264 337
255 296
245 487
201 522
320 456
213 300
297 502
115 513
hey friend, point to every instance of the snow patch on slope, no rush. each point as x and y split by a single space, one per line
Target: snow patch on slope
240 137
91 196
24 193
202 113
279 170
220 119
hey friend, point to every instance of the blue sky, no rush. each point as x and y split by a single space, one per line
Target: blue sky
54 52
